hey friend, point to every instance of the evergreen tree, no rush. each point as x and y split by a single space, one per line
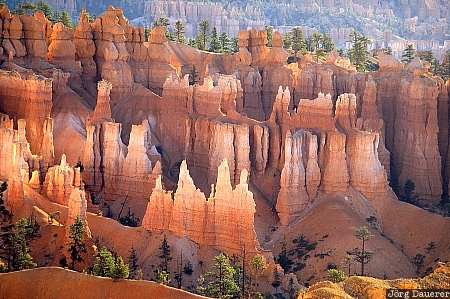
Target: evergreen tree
316 40
224 43
336 275
429 57
327 43
77 245
257 267
179 274
214 44
106 265
147 33
6 231
179 32
129 220
219 282
24 230
408 54
234 45
164 22
269 31
193 76
26 8
133 265
362 255
202 35
164 255
298 41
444 69
47 10
287 41
64 18
276 283
192 43
162 277
283 258
358 53
120 269
408 191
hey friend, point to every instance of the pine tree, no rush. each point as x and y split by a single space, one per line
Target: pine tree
120 269
429 57
234 45
77 245
327 43
27 8
179 274
147 33
202 35
220 281
179 32
64 18
269 31
162 277
408 54
164 22
298 41
47 10
22 233
358 54
214 44
193 76
133 265
6 230
192 43
287 41
444 69
164 255
283 258
276 283
257 267
106 265
362 255
224 43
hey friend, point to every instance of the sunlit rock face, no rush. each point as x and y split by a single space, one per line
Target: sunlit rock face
224 221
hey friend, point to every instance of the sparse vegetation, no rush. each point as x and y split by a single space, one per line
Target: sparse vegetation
220 281
108 265
362 255
77 246
336 275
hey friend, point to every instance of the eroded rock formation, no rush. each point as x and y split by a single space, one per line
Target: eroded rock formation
224 221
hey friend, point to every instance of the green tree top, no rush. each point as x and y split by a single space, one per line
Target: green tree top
202 35
106 265
214 44
165 255
220 281
408 54
179 32
358 53
65 18
77 245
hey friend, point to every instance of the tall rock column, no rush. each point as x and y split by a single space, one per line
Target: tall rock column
292 197
335 177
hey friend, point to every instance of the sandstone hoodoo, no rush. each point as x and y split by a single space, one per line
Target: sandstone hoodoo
266 166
